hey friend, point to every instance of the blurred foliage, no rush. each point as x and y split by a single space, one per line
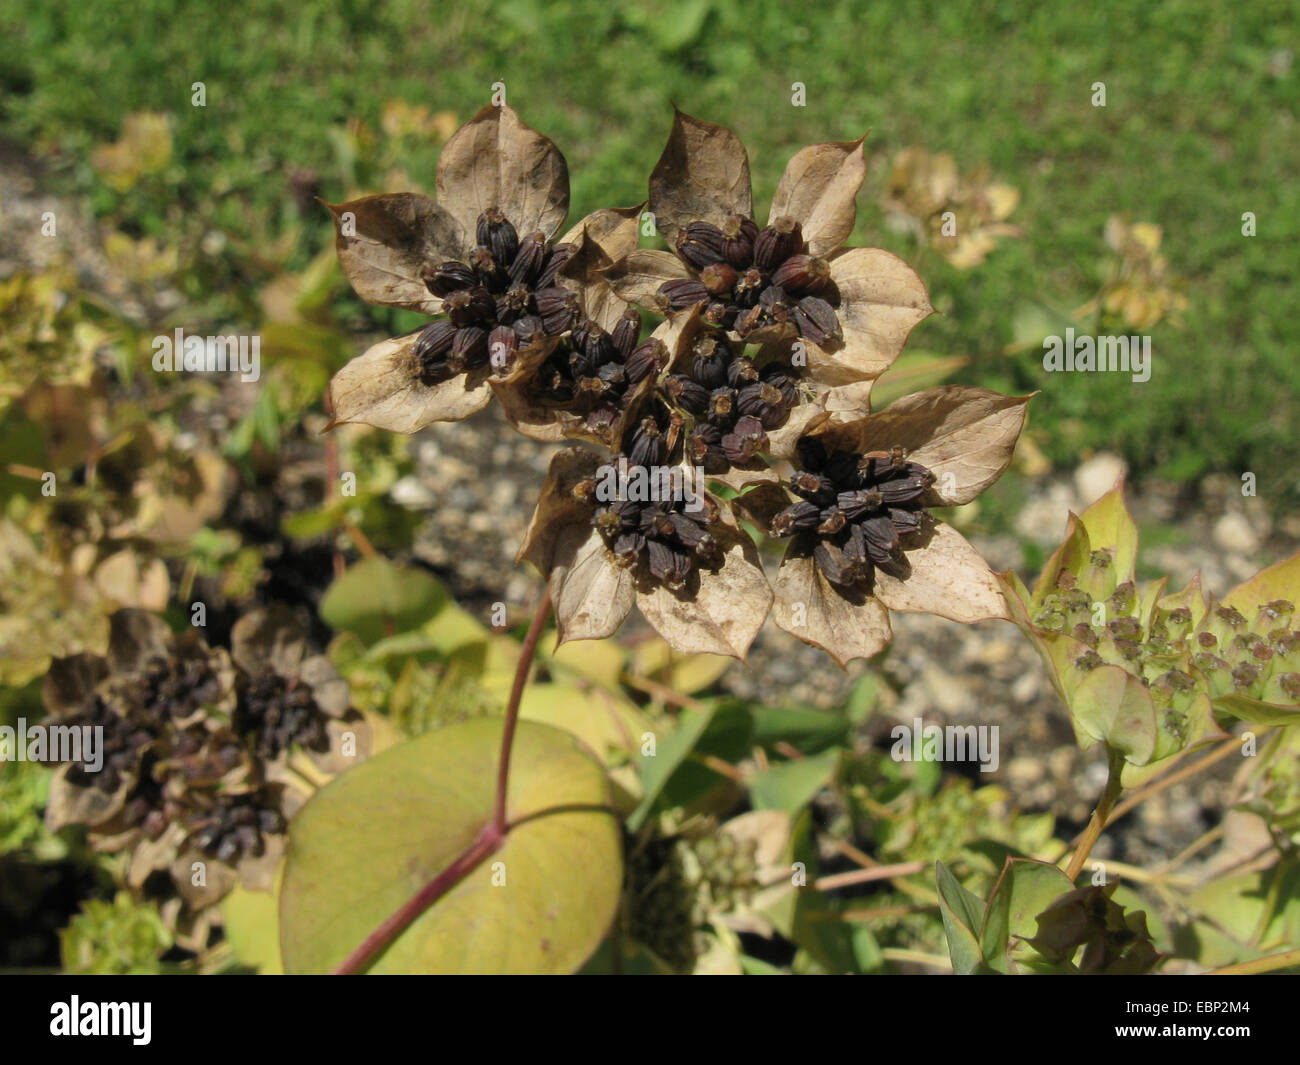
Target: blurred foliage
1196 92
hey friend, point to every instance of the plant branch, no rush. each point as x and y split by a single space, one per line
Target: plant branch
1228 747
489 840
1260 965
1099 816
378 940
526 653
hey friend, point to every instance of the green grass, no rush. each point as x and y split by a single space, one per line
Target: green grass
1200 126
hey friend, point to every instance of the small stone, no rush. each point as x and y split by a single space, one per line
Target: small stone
1098 475
1234 534
409 492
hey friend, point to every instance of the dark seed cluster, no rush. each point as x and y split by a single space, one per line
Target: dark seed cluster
506 298
277 712
655 528
732 402
852 510
236 826
123 746
174 688
594 373
176 760
748 278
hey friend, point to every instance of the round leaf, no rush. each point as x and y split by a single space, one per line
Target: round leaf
369 840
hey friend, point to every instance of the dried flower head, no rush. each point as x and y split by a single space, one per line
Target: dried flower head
612 534
484 260
851 310
193 750
861 540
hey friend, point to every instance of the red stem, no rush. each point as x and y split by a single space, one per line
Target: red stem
490 838
526 653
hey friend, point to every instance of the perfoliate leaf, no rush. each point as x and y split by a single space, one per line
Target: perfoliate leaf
373 837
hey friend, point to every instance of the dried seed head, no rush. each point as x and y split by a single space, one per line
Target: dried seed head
855 511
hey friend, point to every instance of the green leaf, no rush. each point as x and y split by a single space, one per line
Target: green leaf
791 785
1256 711
375 598
1280 581
602 721
729 737
670 752
808 731
251 921
373 837
914 371
1113 706
962 914
1024 890
1109 524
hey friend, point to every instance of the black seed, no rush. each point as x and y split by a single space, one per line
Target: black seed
503 343
469 349
800 516
627 332
559 309
559 258
745 441
529 260
447 277
816 320
687 393
776 243
433 343
499 235
683 293
802 274
738 233
699 244
647 359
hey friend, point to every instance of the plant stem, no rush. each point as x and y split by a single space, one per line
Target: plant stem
1108 796
526 653
405 916
1260 965
489 840
1229 746
866 876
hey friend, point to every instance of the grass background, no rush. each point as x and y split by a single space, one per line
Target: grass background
1200 126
